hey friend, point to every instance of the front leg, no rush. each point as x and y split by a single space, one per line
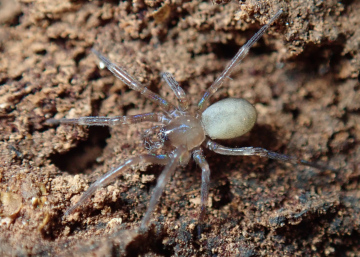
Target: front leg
113 121
134 84
250 151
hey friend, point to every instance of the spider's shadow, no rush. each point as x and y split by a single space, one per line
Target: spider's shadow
260 136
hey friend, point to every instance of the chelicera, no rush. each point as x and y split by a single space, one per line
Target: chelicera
183 131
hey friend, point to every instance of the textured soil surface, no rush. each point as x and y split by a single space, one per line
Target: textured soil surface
302 77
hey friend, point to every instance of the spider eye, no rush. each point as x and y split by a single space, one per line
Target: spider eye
229 118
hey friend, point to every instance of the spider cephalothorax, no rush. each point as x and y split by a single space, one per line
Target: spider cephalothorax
182 132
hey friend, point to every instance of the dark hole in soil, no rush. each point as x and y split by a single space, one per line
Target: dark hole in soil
225 51
84 155
16 20
231 48
223 195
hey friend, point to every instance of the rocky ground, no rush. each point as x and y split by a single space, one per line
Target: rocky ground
302 76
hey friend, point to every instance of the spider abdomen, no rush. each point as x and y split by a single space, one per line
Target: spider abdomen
229 118
185 130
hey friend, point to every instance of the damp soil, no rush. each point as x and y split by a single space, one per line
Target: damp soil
302 77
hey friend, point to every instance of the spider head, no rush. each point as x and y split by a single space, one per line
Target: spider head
185 130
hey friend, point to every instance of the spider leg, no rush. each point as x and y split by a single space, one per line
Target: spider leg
113 121
205 181
112 174
262 153
125 77
178 91
235 61
160 185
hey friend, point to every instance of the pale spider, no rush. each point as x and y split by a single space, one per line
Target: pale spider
183 132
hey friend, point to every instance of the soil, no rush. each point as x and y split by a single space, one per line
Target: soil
302 76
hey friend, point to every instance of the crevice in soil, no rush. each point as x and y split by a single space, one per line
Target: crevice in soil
84 155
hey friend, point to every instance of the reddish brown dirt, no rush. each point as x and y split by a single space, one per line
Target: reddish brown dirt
302 77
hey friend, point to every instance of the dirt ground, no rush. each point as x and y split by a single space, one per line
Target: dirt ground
302 77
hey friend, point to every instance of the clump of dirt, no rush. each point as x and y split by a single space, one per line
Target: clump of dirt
302 76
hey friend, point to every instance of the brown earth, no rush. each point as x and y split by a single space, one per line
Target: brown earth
302 76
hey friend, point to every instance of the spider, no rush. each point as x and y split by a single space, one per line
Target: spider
183 132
